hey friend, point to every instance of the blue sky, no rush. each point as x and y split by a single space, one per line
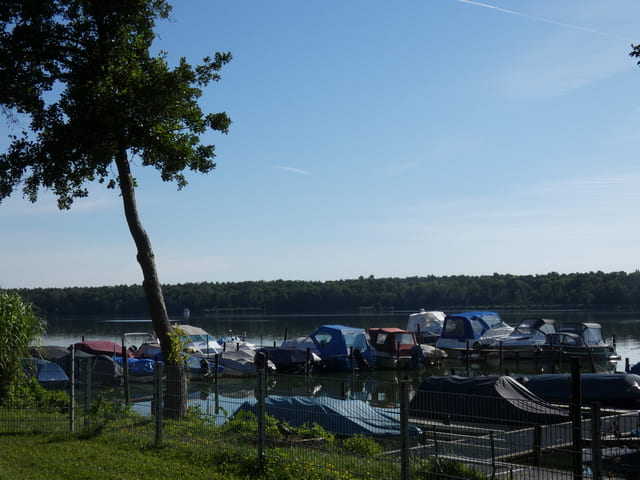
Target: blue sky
431 137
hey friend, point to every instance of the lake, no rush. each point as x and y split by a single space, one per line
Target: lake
263 329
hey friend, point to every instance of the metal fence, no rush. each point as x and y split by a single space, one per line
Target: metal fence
332 422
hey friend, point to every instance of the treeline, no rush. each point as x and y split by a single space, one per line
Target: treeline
577 290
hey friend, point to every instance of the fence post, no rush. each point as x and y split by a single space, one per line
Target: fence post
72 397
157 407
576 417
260 398
404 430
596 444
87 392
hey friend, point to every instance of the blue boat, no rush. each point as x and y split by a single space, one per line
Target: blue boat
342 348
48 374
461 330
340 417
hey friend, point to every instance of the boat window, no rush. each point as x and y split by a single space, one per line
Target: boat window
548 328
569 340
524 330
593 336
323 339
478 328
404 339
494 321
382 337
454 327
355 340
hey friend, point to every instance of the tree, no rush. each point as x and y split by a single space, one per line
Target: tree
19 327
81 71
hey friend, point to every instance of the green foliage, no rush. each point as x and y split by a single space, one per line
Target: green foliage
246 423
107 412
19 327
111 97
314 430
177 341
577 290
444 468
362 446
26 393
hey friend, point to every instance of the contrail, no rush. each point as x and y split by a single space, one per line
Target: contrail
541 19
292 169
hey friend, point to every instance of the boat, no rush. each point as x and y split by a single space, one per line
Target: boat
426 325
397 348
490 399
102 347
525 341
291 360
462 330
581 340
342 348
337 416
198 340
200 350
243 363
611 390
48 374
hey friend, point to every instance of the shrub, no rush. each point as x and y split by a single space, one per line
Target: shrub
362 446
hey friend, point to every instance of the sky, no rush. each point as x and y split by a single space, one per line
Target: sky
393 139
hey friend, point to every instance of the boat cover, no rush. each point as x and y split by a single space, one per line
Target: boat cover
138 366
335 342
614 390
101 347
490 399
340 417
47 373
104 370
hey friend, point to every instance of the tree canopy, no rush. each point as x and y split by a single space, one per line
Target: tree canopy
82 73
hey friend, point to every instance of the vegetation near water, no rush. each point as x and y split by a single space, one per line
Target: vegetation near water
592 290
119 443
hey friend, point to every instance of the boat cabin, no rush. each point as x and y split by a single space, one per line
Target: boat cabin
337 344
461 330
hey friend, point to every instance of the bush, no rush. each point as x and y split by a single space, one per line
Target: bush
26 393
362 446
19 327
439 468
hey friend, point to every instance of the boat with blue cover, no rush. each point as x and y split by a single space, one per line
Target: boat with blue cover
461 330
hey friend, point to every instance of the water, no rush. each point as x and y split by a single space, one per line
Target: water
269 329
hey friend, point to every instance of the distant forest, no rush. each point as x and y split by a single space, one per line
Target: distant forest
594 290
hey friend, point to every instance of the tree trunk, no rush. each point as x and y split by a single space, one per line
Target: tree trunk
176 402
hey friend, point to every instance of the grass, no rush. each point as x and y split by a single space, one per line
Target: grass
65 456
122 447
120 444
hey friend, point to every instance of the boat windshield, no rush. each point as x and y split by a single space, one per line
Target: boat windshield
593 336
355 340
404 339
381 338
494 321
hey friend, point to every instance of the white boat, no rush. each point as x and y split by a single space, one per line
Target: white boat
427 325
525 341
242 363
198 340
462 330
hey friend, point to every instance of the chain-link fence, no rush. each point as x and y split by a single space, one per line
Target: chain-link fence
400 431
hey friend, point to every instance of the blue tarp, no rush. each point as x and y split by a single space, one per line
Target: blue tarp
340 417
47 373
334 344
138 366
